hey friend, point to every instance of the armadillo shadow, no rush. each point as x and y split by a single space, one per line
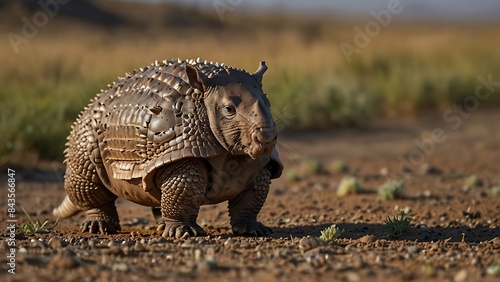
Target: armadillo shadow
355 231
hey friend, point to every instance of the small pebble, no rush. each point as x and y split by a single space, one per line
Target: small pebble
207 265
202 241
189 243
120 266
114 250
127 243
4 245
461 276
197 255
384 171
160 240
318 256
93 243
358 262
367 239
64 260
352 277
495 241
428 169
349 247
435 247
308 243
229 243
413 249
55 243
245 245
139 247
41 244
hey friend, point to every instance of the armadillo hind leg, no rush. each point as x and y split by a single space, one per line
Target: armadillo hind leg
243 210
83 185
97 201
183 191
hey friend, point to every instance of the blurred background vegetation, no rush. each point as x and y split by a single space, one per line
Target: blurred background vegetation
410 68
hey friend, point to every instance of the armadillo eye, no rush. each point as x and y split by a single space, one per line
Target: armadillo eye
229 111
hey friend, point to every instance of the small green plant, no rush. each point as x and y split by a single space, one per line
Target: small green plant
494 268
35 226
348 185
292 175
339 166
391 190
311 166
331 233
428 269
398 224
472 181
495 190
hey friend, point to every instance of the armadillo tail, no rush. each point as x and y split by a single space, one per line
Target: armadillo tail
66 209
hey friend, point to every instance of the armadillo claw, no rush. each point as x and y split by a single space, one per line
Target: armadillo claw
254 228
182 230
100 227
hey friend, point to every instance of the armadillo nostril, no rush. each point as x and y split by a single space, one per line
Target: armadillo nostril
265 135
263 140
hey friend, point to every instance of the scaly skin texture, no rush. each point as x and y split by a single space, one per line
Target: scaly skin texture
176 134
243 210
182 193
84 186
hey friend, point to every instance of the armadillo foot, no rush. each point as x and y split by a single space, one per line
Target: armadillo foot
99 226
251 228
182 229
103 221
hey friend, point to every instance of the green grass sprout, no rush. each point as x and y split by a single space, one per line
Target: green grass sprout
331 233
398 224
349 185
35 226
391 190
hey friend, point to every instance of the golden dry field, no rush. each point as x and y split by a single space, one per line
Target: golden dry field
407 68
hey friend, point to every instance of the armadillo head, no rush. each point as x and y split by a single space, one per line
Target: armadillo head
238 110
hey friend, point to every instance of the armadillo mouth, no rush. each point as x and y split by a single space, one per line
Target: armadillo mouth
260 150
263 142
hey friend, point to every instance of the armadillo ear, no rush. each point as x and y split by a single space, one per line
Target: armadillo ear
260 72
196 78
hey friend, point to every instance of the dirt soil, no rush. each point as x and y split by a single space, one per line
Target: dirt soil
454 235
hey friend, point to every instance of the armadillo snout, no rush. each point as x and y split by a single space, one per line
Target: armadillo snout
264 140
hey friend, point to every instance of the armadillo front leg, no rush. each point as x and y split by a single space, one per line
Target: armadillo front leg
244 209
182 192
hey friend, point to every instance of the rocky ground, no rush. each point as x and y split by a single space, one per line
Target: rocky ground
454 233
